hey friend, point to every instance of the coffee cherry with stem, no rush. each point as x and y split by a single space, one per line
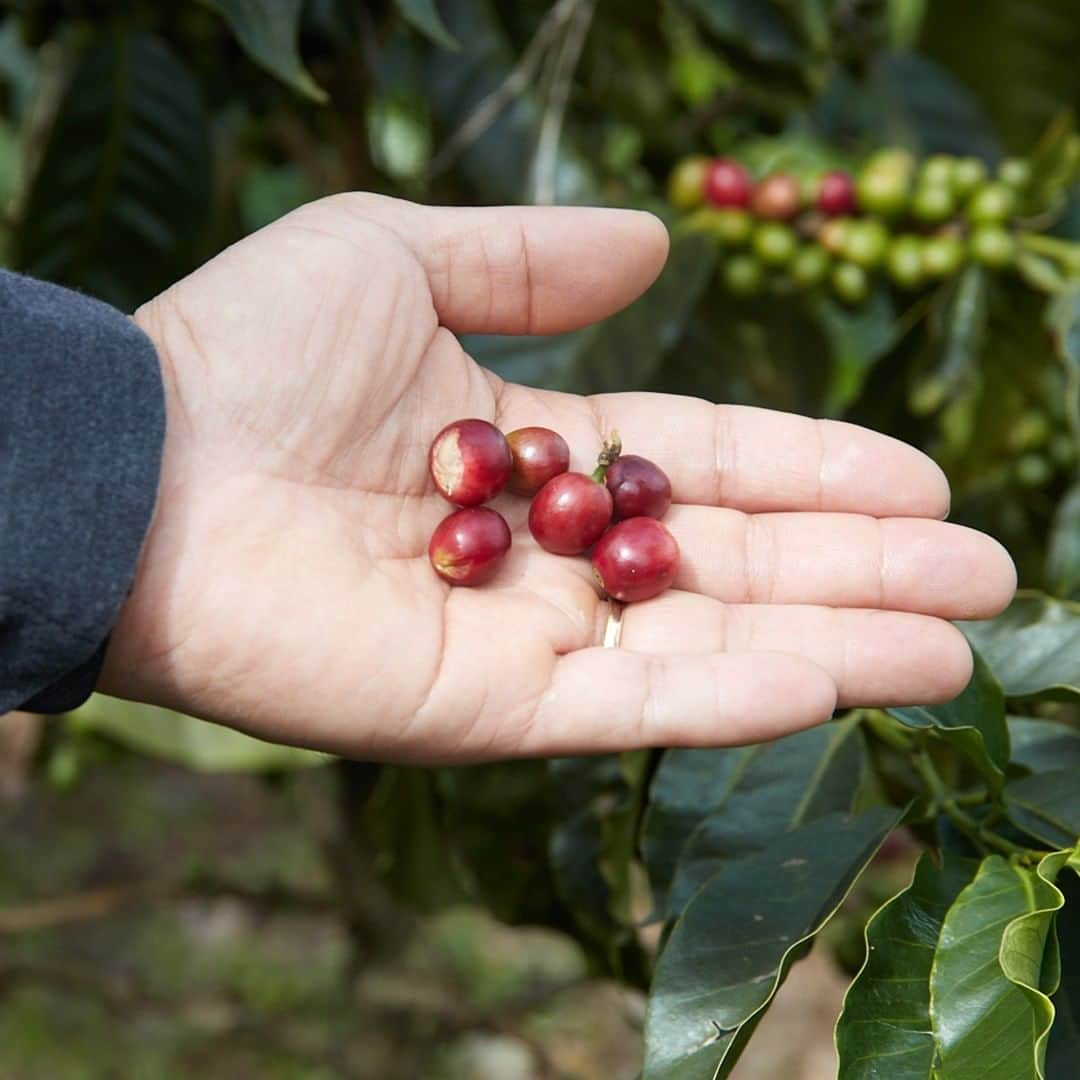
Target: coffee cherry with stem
571 511
468 547
778 197
905 261
993 246
686 185
810 266
836 193
727 183
991 204
943 255
470 462
774 243
635 560
743 275
638 488
850 282
538 454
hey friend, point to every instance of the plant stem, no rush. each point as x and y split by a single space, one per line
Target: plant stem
1063 250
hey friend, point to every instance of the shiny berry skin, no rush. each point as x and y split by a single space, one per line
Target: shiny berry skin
993 246
774 244
992 204
727 183
905 261
744 275
638 488
836 193
932 203
778 196
538 454
943 255
470 462
866 243
937 171
810 266
686 186
467 547
635 560
1015 172
731 226
968 174
850 282
570 513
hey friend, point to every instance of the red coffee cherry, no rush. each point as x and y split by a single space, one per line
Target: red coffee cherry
638 488
635 560
467 547
836 193
539 454
727 183
470 462
778 196
570 513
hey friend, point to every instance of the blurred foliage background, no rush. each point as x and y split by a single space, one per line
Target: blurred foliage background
159 911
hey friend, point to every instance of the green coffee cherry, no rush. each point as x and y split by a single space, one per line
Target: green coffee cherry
991 204
893 160
743 275
686 185
932 204
833 234
866 243
810 266
882 192
1033 470
993 246
905 261
731 226
774 244
942 256
968 174
850 282
1015 172
936 171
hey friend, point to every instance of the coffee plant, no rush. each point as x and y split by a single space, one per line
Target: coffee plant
874 216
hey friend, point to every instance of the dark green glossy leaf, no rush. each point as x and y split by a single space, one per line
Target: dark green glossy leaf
1042 745
778 787
1033 647
1047 805
884 1029
268 31
123 189
987 1005
621 353
734 943
424 15
756 28
1063 1050
1063 557
183 740
974 723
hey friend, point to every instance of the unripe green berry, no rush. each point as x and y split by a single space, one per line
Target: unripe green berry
743 275
993 246
882 192
892 160
1015 172
866 243
942 256
850 282
686 185
937 171
905 261
729 225
1033 470
991 204
932 204
774 244
968 174
810 266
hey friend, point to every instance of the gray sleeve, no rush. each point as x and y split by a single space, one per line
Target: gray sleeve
82 423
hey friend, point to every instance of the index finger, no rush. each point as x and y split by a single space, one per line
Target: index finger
755 460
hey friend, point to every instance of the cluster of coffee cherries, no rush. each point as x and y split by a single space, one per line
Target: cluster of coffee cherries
615 510
916 222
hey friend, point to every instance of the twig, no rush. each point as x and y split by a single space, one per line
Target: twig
488 109
547 147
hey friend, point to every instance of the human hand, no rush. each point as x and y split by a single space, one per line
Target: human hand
284 587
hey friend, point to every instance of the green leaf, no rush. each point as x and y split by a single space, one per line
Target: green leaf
777 787
268 31
424 15
1063 321
1047 805
1033 647
1063 1051
1063 555
974 723
884 1028
1043 745
988 1009
735 942
620 353
122 193
758 29
184 740
1054 163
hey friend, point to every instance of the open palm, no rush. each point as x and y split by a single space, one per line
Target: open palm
284 587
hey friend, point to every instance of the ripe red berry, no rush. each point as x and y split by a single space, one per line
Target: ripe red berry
467 547
570 513
538 455
470 462
727 183
638 488
635 560
778 196
836 193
